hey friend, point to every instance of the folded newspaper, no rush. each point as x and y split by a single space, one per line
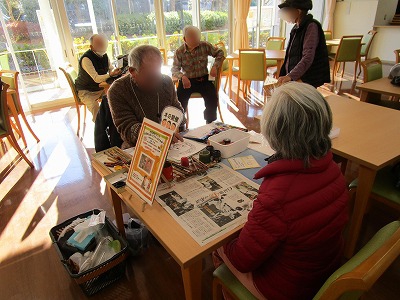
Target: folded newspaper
210 205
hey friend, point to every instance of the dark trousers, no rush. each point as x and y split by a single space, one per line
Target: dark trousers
207 90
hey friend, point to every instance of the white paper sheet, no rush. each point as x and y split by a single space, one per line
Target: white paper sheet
184 149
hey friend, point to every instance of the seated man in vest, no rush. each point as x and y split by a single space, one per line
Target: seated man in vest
145 92
94 68
190 67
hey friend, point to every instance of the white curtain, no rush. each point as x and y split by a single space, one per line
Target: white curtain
328 14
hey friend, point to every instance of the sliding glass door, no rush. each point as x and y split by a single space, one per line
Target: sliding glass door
29 44
39 36
87 17
262 22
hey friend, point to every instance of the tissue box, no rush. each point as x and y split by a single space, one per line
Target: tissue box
239 142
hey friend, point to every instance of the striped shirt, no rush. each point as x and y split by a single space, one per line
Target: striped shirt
193 64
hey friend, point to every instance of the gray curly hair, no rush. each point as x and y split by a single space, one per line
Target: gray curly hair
296 122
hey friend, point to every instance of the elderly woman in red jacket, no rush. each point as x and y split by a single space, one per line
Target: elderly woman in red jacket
292 241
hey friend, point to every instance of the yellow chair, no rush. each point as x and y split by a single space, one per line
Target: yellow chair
252 67
328 36
349 50
14 103
349 282
397 53
164 55
71 75
274 43
367 41
5 124
217 84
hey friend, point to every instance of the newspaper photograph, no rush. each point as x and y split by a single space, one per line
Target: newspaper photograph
208 206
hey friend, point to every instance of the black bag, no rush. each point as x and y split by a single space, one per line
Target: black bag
124 68
396 80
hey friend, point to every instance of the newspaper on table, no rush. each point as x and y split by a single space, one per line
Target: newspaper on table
208 206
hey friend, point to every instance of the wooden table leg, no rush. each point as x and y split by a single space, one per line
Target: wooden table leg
278 67
366 178
192 280
230 70
370 97
116 199
364 96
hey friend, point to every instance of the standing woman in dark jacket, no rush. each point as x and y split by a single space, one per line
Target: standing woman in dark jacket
306 54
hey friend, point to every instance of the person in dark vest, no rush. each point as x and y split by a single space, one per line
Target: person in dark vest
306 57
94 68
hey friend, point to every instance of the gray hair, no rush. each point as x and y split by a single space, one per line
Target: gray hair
139 53
296 122
91 39
188 28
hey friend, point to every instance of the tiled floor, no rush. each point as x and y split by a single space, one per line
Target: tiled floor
63 184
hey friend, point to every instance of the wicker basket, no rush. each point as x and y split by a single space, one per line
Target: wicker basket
97 278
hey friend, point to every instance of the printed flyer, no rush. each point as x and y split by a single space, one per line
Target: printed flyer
148 159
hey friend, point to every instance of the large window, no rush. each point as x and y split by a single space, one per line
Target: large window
177 14
136 23
214 20
86 17
262 22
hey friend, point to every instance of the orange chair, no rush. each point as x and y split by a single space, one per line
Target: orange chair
71 75
164 55
14 103
5 124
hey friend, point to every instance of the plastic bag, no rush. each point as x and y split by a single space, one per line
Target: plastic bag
106 249
136 234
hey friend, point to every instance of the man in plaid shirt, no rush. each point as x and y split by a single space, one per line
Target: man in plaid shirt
190 67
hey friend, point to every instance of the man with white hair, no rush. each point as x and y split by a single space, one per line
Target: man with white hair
190 67
145 92
94 67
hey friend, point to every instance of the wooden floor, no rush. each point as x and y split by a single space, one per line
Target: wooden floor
63 184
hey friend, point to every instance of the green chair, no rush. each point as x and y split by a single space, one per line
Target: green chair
349 282
383 189
4 63
372 70
366 46
71 75
225 65
223 277
329 36
348 51
274 43
5 124
10 77
252 67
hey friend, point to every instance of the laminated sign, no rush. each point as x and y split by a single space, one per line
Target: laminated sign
148 159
